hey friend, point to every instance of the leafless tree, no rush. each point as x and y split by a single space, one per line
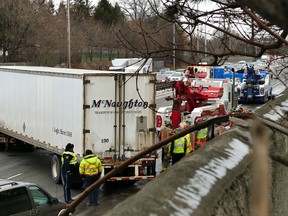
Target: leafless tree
211 34
14 28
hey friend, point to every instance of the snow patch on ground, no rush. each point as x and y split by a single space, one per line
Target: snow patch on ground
277 112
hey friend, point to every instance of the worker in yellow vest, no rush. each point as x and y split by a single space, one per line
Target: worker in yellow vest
69 166
190 147
177 149
91 168
201 137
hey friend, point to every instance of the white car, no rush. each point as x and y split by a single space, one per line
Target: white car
177 76
169 74
241 65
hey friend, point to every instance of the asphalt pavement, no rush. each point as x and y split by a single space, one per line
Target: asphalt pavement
110 196
83 210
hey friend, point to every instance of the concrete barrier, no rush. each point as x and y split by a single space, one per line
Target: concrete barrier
215 180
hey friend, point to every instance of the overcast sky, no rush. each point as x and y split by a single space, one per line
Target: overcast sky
93 2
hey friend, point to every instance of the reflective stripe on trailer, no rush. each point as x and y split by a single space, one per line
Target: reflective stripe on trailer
113 166
131 178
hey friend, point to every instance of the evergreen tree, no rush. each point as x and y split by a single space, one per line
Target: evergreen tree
81 9
106 13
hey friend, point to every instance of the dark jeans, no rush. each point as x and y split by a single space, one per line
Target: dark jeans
94 194
67 185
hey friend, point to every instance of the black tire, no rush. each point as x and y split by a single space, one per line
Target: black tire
56 169
2 147
29 147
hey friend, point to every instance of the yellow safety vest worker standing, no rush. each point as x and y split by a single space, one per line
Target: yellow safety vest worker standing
69 162
201 137
91 168
177 149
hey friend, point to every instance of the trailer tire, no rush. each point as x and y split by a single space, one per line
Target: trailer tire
29 147
56 169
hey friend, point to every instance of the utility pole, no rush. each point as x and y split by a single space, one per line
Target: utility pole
205 41
174 47
175 4
233 89
68 36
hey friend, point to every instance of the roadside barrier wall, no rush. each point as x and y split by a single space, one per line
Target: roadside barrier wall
216 179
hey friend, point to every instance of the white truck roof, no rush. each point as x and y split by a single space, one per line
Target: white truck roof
71 71
131 65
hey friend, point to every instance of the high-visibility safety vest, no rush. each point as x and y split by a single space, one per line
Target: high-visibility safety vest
90 165
201 137
67 154
189 144
178 146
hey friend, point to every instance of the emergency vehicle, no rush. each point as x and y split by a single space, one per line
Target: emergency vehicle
198 101
256 86
193 102
197 71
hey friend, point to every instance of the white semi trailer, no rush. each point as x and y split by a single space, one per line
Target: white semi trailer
108 112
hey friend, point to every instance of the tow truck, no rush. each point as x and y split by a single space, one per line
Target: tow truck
256 86
196 101
197 71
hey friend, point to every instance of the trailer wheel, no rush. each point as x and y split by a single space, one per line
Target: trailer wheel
56 169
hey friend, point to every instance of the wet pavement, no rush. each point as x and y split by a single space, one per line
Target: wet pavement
110 196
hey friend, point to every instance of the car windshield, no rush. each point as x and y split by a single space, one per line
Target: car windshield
180 70
161 75
163 70
177 74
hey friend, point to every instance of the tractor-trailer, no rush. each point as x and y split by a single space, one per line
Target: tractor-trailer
111 113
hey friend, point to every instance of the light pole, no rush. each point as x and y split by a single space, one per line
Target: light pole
68 36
